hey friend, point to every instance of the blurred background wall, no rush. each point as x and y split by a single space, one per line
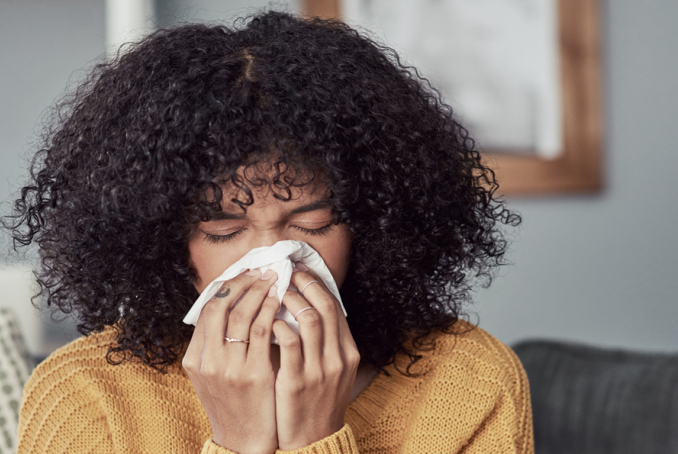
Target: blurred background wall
596 268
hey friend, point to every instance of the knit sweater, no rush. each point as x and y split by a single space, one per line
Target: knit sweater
469 395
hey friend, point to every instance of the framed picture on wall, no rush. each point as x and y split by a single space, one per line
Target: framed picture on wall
522 75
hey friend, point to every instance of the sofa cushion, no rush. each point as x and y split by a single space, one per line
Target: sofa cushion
590 400
15 367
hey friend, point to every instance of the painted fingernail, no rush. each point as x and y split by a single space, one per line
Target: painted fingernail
256 272
272 291
301 267
267 275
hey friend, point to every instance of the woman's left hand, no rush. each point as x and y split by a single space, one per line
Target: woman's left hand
317 368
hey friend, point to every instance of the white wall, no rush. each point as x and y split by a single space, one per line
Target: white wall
603 269
172 11
43 45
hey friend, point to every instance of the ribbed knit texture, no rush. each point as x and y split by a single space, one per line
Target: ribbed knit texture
471 396
15 366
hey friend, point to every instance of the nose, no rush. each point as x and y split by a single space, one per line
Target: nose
268 238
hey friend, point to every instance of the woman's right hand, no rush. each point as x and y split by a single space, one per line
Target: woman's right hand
235 381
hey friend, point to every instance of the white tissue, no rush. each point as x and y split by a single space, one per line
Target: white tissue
278 258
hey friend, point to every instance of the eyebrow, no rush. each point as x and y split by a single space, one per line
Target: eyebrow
318 205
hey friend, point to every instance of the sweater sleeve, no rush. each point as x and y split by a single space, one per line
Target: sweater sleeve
340 442
60 413
211 447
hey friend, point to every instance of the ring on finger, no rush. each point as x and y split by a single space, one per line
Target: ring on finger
304 309
230 339
307 284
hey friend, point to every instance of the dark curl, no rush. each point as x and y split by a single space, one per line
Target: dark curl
136 156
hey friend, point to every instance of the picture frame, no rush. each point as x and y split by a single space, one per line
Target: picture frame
578 168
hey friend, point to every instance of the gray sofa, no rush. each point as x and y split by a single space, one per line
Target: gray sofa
588 400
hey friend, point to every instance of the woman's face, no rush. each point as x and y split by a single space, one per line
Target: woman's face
229 235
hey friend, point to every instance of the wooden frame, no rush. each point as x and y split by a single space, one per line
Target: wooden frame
579 167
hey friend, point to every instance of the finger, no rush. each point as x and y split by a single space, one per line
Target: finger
192 364
193 355
291 360
310 326
241 317
216 311
260 335
324 302
345 336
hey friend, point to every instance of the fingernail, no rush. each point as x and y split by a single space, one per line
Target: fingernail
301 267
272 291
267 275
256 272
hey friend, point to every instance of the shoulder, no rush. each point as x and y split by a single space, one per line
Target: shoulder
82 365
58 401
82 354
76 381
481 387
77 397
65 376
470 366
469 355
478 353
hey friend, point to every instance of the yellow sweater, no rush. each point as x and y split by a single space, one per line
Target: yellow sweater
471 396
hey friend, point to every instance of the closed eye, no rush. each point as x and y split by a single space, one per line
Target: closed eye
321 231
215 239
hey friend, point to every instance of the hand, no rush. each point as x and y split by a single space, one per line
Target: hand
235 381
317 368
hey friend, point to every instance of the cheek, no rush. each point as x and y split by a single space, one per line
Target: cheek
209 260
336 252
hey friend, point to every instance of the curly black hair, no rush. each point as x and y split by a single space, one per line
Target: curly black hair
137 156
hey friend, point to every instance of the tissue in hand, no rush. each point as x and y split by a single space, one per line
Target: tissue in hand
278 258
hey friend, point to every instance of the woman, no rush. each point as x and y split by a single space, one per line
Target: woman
204 142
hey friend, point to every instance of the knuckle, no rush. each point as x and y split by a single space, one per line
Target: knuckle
211 307
246 380
290 342
239 280
243 279
257 379
208 370
271 304
334 368
262 286
189 364
236 317
234 378
310 319
325 303
295 388
258 331
315 378
278 323
353 357
291 295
